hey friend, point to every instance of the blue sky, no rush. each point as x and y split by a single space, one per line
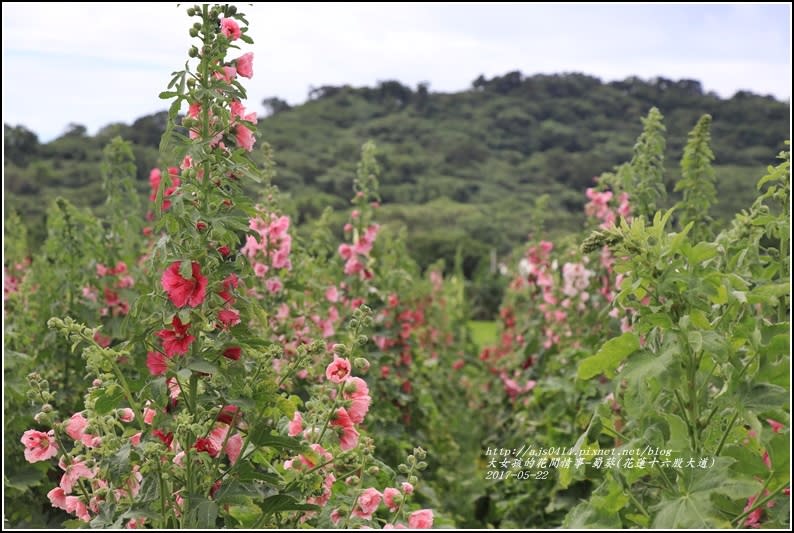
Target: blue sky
101 63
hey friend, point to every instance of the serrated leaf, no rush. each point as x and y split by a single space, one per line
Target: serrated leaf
608 357
769 294
702 251
203 512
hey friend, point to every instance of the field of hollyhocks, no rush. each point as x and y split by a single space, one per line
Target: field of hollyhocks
207 366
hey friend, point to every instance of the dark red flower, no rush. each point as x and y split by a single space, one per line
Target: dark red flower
167 439
183 291
206 445
231 281
176 341
157 363
227 414
224 251
232 352
229 317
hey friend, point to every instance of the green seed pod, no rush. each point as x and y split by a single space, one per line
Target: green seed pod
361 364
362 340
193 32
413 480
191 12
421 465
193 52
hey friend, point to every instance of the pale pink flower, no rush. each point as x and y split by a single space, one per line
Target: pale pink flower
422 519
245 137
296 424
332 294
75 506
39 446
392 498
337 370
245 65
57 498
230 29
407 487
367 504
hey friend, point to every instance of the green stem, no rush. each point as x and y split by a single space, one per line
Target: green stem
760 502
725 435
333 411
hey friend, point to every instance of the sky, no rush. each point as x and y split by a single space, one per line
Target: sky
95 64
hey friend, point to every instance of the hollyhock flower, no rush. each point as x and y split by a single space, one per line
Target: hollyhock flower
335 516
165 438
206 445
229 317
392 498
76 425
274 285
183 291
337 370
407 487
398 525
39 446
349 438
75 506
232 352
234 446
230 29
176 341
244 137
72 473
754 518
296 424
227 74
776 426
126 414
422 519
148 414
157 363
135 440
367 503
357 392
332 294
227 414
57 498
102 340
245 65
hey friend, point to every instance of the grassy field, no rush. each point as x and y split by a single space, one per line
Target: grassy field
483 332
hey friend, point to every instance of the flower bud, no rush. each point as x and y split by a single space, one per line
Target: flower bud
361 364
373 470
193 52
46 408
413 480
191 12
421 465
193 32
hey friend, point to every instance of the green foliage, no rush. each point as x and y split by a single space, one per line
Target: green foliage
697 179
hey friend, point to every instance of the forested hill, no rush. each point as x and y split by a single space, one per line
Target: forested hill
465 167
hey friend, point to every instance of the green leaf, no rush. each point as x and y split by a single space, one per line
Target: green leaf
609 357
200 365
282 502
769 294
203 512
165 95
702 251
109 399
763 396
262 437
247 514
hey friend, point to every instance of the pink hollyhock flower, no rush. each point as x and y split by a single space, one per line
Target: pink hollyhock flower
39 446
245 65
57 498
274 285
75 506
206 445
457 365
337 370
357 392
183 291
345 251
296 424
260 269
176 341
754 518
422 519
349 438
776 426
232 352
234 446
392 497
72 473
135 523
230 29
244 137
368 502
75 426
165 438
228 74
157 363
407 487
193 111
332 294
126 414
148 414
398 525
335 516
135 440
229 317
